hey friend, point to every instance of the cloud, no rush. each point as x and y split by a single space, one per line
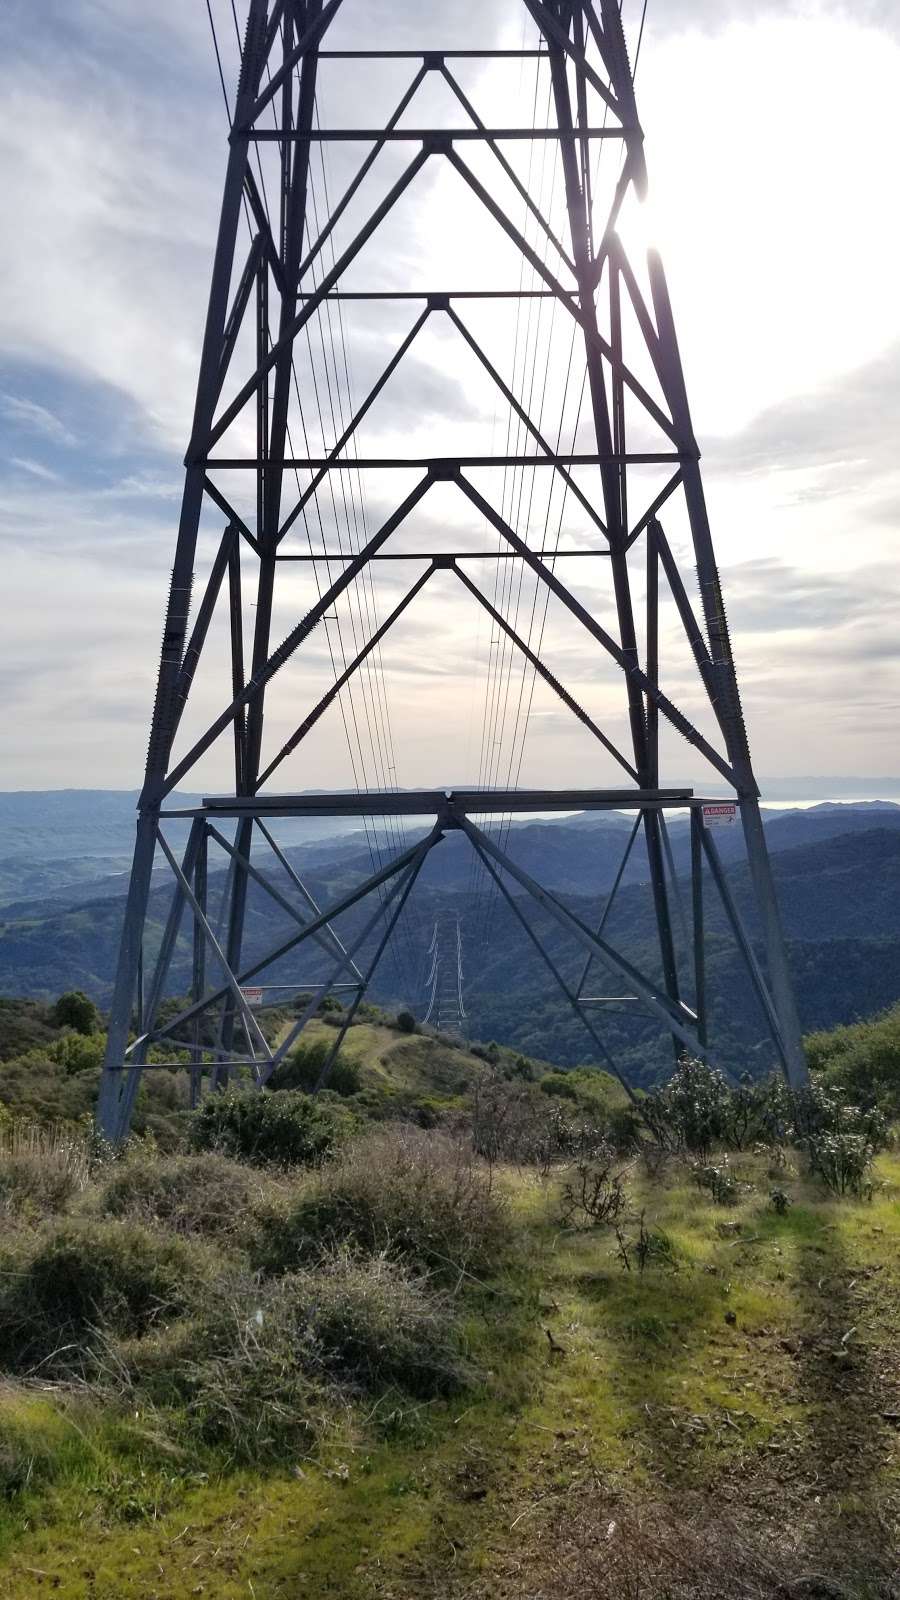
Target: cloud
26 414
847 426
114 149
712 16
34 468
769 596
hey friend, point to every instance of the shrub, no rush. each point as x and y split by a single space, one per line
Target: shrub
690 1111
239 1375
862 1059
195 1194
41 1168
780 1201
593 1193
843 1162
304 1066
285 1129
75 1010
718 1180
406 1022
747 1112
398 1192
78 1052
623 1128
517 1124
820 1108
558 1083
64 1290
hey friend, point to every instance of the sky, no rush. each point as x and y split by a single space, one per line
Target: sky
771 138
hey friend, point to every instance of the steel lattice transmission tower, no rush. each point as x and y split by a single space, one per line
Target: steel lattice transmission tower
624 460
444 1004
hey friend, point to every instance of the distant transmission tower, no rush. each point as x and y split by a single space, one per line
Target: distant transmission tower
444 1008
286 521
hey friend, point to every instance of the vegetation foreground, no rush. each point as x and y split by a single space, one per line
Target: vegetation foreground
531 1351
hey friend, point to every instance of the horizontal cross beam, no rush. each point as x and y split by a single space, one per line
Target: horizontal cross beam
445 557
434 802
420 135
445 464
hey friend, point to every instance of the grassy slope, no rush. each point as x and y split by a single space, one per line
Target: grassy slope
778 1415
414 1063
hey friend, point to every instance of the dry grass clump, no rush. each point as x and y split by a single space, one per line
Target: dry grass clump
205 1194
42 1167
67 1288
266 1366
373 1325
238 1376
396 1192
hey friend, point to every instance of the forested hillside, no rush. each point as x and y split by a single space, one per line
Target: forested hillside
838 874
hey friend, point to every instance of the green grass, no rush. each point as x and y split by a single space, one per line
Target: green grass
656 1390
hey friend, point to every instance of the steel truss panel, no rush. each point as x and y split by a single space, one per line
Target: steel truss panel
262 306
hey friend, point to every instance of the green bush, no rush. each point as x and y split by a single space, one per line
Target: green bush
78 1052
400 1192
862 1059
719 1180
284 1129
690 1111
64 1290
820 1108
843 1162
623 1128
406 1022
304 1065
192 1194
75 1010
559 1084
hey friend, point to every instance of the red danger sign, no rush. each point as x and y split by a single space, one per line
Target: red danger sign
720 816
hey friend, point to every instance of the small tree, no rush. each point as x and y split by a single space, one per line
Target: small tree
559 1084
75 1010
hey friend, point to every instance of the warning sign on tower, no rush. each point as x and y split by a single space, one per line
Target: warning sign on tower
720 816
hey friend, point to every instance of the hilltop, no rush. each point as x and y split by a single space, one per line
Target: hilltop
49 1070
526 1350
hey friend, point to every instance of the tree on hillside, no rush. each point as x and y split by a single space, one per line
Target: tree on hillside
75 1010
